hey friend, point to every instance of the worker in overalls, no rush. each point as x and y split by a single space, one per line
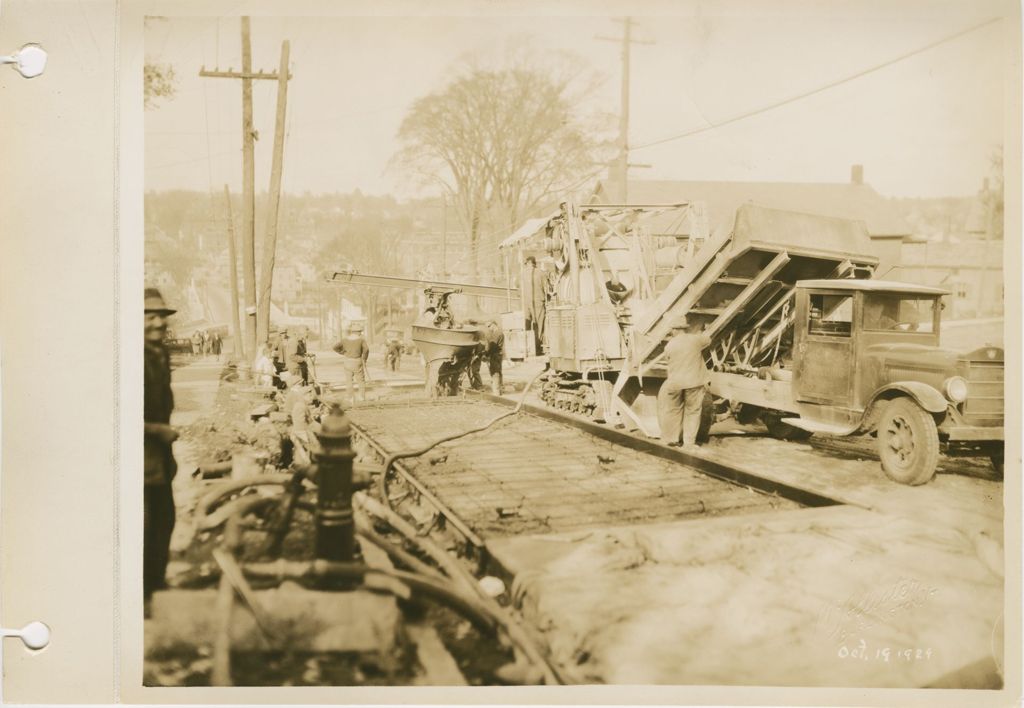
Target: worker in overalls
682 395
354 352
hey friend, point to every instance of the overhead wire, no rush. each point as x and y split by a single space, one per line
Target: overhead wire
830 85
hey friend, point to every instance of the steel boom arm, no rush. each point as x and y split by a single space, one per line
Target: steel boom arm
390 281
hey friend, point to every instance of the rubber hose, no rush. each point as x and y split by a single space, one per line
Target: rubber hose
457 572
390 460
440 590
398 554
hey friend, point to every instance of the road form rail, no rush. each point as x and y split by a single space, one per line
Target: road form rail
543 471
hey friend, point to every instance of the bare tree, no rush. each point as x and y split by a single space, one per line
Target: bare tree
504 140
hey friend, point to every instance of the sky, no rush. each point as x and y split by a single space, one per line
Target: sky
924 126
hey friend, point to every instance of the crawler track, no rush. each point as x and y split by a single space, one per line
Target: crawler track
544 472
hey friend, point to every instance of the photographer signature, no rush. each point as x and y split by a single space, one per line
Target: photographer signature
862 611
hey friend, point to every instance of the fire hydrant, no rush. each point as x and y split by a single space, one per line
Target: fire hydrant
335 529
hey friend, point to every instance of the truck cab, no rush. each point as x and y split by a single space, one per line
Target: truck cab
866 358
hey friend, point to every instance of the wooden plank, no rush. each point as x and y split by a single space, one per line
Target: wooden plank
737 304
710 250
651 338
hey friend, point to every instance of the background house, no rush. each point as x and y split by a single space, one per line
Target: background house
849 200
957 246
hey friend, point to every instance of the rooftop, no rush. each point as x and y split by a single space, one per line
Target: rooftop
846 200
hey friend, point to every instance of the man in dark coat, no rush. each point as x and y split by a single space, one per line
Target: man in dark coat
534 289
159 464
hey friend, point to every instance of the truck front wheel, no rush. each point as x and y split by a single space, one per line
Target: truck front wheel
908 442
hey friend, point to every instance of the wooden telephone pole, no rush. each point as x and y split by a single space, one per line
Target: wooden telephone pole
248 181
270 242
236 327
621 164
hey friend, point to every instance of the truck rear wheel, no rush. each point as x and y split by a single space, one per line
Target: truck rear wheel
783 431
997 462
908 442
707 419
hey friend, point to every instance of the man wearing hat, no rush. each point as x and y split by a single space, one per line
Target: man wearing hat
354 352
535 299
682 395
292 353
159 465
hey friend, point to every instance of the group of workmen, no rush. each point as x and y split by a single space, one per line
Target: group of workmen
291 355
206 343
680 402
288 366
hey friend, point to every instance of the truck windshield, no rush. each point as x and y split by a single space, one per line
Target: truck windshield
899 313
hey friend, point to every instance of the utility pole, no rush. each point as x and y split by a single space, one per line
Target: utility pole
444 235
236 327
620 166
270 242
248 180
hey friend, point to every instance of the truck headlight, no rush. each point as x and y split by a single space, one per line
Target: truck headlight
956 389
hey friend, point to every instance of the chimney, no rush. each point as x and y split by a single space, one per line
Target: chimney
857 174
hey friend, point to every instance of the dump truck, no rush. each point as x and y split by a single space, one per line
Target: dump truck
802 337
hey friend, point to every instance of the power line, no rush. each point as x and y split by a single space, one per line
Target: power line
302 126
830 85
198 159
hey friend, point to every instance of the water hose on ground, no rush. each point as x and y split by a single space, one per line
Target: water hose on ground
464 578
470 601
398 554
287 505
390 460
386 512
233 581
437 589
